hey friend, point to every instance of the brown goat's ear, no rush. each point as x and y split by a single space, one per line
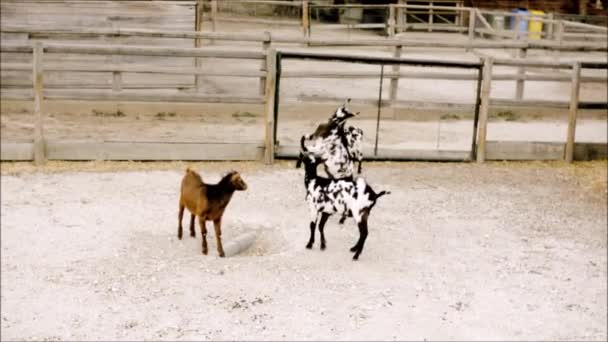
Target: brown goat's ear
234 177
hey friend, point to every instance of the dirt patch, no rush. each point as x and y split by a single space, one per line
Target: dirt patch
458 251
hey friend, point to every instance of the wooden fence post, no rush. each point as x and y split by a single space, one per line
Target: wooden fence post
271 67
265 46
550 27
400 17
471 27
37 76
391 21
574 96
519 86
213 15
305 23
486 85
459 18
116 75
430 29
395 79
198 42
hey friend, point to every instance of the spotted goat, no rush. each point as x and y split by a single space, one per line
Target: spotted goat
336 144
348 196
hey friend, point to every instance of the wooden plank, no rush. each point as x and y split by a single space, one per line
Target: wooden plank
263 63
270 97
484 109
519 85
590 151
574 99
305 17
601 36
84 32
292 151
585 26
153 69
152 51
198 27
92 150
524 150
38 85
123 150
471 32
351 26
18 151
391 21
537 44
214 17
483 20
270 2
444 8
144 69
395 79
260 21
98 95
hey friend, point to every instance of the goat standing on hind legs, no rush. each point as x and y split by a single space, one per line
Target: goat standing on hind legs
327 196
208 202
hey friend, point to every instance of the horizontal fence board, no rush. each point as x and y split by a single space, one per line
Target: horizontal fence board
546 103
16 150
122 150
590 151
381 60
292 151
252 37
137 50
149 69
259 21
524 150
155 97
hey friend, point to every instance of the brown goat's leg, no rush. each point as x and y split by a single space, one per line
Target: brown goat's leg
201 221
218 236
180 216
324 217
362 236
192 231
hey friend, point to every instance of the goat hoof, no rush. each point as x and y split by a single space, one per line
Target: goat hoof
222 255
204 252
323 247
309 246
179 237
355 258
342 220
353 249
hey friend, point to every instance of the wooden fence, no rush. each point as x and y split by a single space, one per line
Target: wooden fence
43 149
268 41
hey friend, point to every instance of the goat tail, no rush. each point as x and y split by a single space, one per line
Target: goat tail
189 170
382 193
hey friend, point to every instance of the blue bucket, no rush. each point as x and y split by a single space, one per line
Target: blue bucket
523 24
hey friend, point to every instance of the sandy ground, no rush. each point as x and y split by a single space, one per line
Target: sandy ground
500 251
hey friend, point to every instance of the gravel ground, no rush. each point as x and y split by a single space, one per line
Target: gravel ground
499 251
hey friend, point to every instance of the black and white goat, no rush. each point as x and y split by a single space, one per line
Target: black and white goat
336 144
347 196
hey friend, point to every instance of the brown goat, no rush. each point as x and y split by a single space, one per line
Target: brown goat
208 202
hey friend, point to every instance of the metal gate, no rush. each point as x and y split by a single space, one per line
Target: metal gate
282 151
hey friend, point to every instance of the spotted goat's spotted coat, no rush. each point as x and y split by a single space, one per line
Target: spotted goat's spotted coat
337 145
346 196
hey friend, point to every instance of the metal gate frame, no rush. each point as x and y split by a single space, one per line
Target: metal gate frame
478 65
